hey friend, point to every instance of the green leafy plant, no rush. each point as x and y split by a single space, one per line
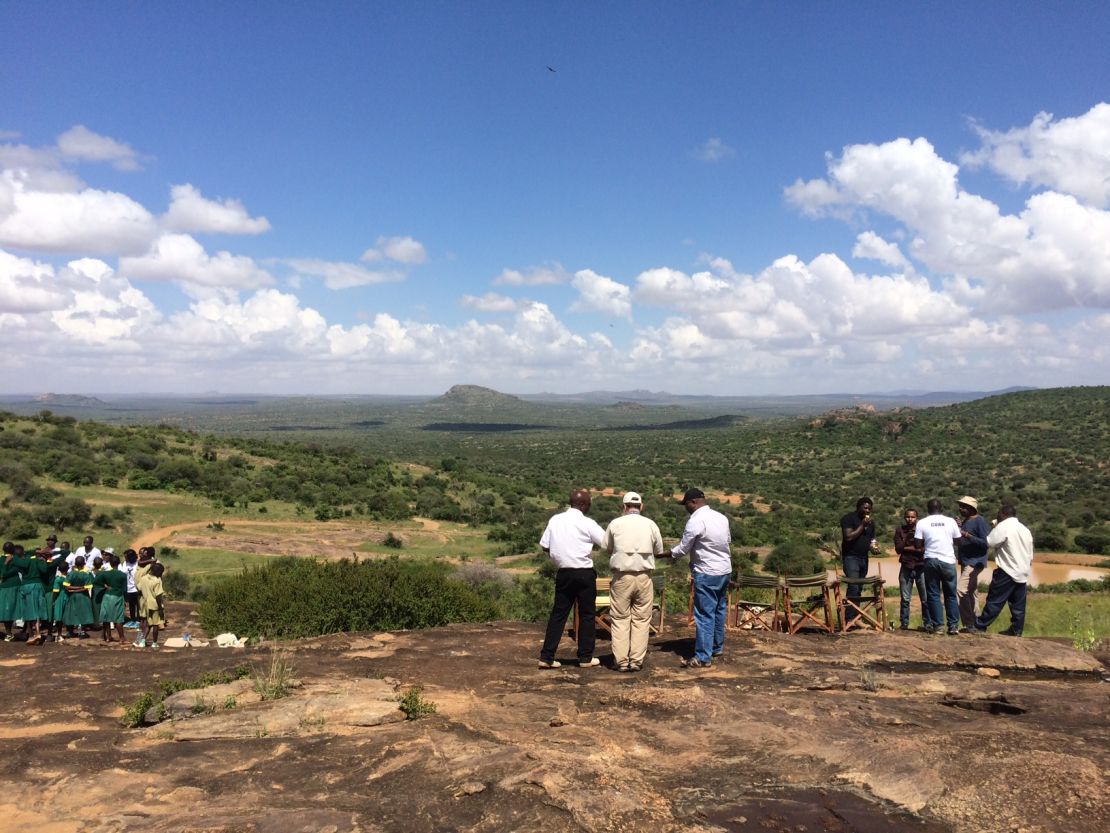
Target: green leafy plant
274 682
414 705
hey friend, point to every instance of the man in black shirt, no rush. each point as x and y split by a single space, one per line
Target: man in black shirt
857 541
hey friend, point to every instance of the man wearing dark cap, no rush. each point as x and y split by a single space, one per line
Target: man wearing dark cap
569 540
972 558
707 540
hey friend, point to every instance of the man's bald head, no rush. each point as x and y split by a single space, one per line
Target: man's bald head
580 499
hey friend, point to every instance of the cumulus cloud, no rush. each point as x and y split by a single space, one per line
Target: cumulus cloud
84 145
714 150
398 249
29 286
88 221
597 293
552 275
490 302
180 258
1054 254
870 246
340 275
190 211
1069 155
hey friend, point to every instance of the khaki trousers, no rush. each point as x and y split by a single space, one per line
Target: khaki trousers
630 598
967 586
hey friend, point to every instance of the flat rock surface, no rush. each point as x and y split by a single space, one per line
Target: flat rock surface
864 732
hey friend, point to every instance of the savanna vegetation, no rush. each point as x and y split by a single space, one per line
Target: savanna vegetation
783 482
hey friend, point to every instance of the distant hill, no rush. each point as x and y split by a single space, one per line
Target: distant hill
476 397
71 400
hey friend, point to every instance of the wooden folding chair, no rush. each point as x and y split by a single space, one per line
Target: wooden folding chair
808 603
870 611
750 613
659 604
601 606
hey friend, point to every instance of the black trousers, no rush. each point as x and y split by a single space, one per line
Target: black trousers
572 586
1004 589
132 605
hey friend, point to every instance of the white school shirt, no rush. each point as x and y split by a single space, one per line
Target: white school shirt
570 538
1013 548
706 540
938 532
130 571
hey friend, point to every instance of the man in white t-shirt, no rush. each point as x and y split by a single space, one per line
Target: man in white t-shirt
569 540
88 551
1012 543
936 533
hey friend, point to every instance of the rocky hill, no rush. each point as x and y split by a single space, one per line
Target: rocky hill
868 732
478 398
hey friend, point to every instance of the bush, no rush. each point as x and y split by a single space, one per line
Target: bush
297 597
1094 542
392 541
794 558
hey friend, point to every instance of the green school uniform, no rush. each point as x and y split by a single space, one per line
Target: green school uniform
32 606
52 570
11 578
78 610
58 598
111 586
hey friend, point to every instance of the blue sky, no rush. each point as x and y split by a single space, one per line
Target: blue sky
702 198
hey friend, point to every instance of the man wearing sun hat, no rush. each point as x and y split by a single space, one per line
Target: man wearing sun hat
632 542
972 558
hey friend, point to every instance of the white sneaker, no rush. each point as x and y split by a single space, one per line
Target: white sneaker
592 662
553 664
140 643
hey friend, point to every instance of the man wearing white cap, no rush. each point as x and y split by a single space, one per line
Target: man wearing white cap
972 558
632 542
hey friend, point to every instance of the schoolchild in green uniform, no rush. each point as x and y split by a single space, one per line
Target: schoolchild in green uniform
11 570
111 584
58 602
97 568
32 607
78 612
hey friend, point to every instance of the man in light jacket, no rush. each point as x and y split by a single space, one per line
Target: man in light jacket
707 540
632 542
1012 543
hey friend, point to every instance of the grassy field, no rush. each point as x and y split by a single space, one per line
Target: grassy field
1074 615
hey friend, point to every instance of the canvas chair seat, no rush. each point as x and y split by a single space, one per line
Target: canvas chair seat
751 614
604 601
808 603
869 611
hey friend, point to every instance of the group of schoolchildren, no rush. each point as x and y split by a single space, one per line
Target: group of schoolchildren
82 591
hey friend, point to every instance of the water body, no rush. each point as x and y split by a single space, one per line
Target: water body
1041 573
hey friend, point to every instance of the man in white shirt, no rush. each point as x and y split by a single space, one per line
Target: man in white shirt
569 540
936 534
88 551
1012 543
708 541
632 542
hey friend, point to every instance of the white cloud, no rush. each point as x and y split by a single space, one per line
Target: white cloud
597 293
180 258
189 211
28 286
870 246
339 275
84 145
106 311
83 222
714 150
490 302
399 249
1054 254
1069 155
552 275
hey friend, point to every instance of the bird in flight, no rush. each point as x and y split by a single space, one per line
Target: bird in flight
551 69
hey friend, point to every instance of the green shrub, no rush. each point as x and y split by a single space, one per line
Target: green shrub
414 705
794 558
392 541
297 597
1093 541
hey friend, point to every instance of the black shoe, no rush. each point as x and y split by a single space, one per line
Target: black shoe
1009 632
953 631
